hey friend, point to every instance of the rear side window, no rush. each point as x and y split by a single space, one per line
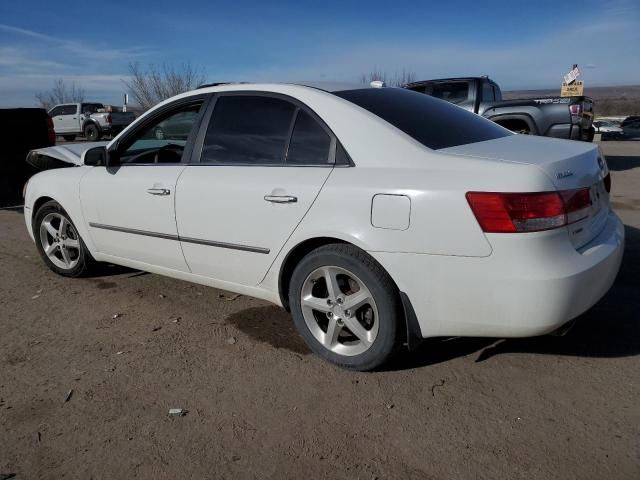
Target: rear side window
453 92
309 144
69 110
487 92
55 112
432 122
248 130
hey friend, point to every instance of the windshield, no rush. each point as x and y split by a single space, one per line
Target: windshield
432 122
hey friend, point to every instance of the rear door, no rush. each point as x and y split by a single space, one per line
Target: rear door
261 163
68 119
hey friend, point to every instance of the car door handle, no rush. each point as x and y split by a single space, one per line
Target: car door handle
158 191
280 198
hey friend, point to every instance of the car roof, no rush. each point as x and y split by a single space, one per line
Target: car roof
326 86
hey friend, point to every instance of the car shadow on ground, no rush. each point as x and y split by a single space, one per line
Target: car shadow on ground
622 162
610 329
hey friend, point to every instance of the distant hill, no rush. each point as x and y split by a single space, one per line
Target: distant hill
609 101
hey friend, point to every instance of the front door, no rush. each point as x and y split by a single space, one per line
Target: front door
263 162
130 206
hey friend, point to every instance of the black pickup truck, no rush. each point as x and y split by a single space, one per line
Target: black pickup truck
21 130
560 117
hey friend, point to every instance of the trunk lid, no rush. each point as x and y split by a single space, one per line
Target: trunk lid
569 164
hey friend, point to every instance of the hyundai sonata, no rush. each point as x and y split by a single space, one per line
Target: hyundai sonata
378 216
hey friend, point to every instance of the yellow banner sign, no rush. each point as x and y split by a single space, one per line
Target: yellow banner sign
573 89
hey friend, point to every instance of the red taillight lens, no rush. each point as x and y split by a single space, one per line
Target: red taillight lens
528 212
607 183
51 133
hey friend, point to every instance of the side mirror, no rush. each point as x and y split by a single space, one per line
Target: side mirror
96 157
101 157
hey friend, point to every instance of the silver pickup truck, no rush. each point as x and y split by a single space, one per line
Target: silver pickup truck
88 119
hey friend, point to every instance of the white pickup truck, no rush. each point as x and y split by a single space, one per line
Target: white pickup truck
88 119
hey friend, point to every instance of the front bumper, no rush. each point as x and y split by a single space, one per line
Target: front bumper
530 285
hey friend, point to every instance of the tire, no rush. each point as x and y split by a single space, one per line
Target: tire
69 138
80 262
326 325
92 133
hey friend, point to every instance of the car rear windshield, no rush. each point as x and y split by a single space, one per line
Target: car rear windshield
434 123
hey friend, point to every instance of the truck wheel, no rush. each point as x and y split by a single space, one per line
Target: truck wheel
69 138
91 133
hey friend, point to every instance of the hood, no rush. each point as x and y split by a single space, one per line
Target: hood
70 153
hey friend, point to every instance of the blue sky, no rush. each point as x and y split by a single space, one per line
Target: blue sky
527 44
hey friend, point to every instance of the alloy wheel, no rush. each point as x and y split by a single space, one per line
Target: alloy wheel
60 241
339 310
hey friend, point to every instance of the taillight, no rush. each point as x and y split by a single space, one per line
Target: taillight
51 133
607 183
528 212
576 112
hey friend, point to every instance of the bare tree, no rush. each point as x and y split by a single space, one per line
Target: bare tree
397 80
154 84
60 93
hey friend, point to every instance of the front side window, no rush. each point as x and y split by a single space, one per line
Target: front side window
164 139
248 130
310 144
432 122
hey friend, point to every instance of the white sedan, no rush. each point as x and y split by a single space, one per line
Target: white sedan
377 216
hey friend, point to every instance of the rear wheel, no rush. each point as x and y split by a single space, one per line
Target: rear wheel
91 133
345 306
59 243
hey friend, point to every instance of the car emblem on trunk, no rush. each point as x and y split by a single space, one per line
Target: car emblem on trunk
564 174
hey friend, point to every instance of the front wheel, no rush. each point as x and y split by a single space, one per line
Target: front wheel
345 306
59 243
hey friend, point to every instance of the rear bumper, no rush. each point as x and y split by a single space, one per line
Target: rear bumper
570 132
530 285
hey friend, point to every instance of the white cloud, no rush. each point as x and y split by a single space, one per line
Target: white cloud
79 48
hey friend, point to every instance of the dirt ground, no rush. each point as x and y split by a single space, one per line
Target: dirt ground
89 369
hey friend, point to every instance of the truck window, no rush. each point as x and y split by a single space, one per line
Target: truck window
487 92
56 111
497 94
91 108
69 110
452 92
432 122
